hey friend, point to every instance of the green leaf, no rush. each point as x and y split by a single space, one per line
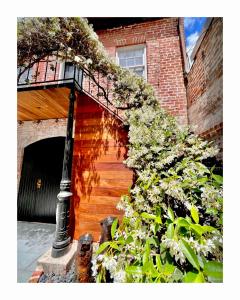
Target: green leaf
129 239
217 178
181 222
197 228
149 269
158 211
189 253
114 227
99 278
192 277
214 271
188 219
207 228
202 261
158 262
171 214
202 180
177 275
156 228
168 269
134 270
148 216
194 214
114 245
202 229
102 247
202 167
153 241
170 231
212 211
158 220
146 253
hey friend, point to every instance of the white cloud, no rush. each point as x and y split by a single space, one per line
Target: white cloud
189 22
191 41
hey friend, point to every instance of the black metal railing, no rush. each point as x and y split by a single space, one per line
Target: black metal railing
51 72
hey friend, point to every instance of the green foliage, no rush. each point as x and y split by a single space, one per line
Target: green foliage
172 225
114 227
189 254
194 214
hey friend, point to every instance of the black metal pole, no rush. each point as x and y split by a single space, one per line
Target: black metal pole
62 238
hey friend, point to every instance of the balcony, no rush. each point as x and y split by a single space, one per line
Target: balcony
43 89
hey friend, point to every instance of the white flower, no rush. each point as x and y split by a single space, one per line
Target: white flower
203 248
94 267
100 257
109 263
174 249
77 59
119 276
188 205
120 206
89 61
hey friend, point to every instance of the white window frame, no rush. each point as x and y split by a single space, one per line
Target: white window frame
134 47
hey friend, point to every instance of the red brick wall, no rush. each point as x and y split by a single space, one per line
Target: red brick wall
205 86
164 59
39 70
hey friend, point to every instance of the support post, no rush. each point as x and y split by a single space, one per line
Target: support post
106 229
83 258
62 238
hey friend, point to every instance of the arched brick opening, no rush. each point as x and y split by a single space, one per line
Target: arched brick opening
29 132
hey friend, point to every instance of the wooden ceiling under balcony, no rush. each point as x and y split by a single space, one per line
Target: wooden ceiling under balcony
42 104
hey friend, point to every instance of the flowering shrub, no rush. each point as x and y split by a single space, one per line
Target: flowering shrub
172 225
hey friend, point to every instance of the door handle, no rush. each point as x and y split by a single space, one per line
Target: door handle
39 183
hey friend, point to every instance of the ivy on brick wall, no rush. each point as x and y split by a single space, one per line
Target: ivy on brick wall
172 225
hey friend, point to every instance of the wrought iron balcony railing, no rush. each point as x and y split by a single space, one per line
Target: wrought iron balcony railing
51 72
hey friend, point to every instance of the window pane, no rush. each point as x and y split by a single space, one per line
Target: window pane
122 54
132 58
122 62
129 53
139 71
138 52
130 62
138 61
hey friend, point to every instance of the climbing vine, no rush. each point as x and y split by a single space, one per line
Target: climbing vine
172 225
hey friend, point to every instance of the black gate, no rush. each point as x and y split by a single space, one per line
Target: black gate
40 179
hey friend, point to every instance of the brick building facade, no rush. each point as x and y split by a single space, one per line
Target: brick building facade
155 49
164 58
205 84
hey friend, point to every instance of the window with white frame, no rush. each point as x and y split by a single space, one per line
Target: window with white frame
133 58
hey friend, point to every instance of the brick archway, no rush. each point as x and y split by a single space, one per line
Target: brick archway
29 132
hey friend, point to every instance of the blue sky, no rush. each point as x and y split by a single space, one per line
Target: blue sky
193 28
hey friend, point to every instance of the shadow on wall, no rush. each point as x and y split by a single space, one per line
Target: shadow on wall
99 175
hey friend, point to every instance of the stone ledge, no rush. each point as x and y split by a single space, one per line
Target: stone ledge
60 265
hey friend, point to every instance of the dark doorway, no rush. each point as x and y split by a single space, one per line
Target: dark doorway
40 179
